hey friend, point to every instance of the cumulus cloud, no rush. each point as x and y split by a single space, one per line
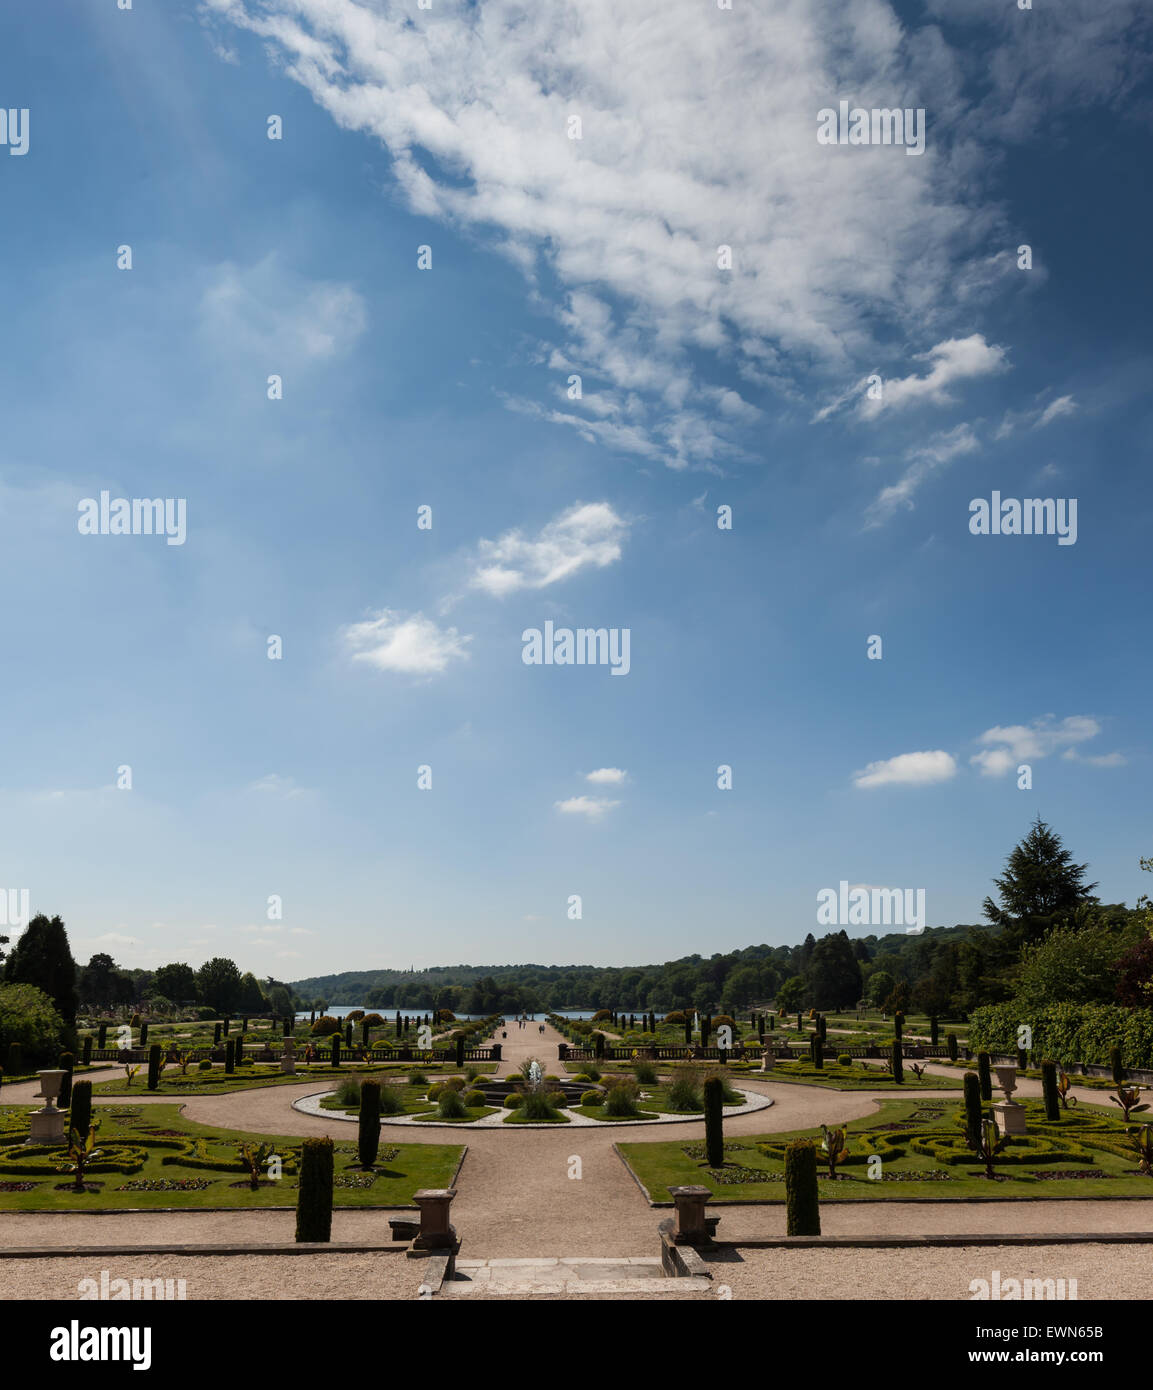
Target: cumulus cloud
908 769
608 776
413 645
950 362
591 807
1004 747
586 535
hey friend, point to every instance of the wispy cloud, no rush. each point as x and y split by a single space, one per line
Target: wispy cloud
587 535
1005 747
591 807
924 460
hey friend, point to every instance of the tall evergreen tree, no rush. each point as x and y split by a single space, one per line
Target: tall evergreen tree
42 957
834 972
1041 887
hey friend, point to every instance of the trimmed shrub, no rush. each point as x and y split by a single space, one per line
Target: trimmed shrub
325 1027
1049 1090
15 1060
895 1057
229 1058
460 1049
1073 1032
802 1200
206 1065
591 1098
102 1036
1022 1059
1115 1065
514 1100
368 1131
645 1073
435 1091
951 1044
314 1203
714 1122
538 1106
974 1113
985 1074
67 1062
154 1067
844 1060
934 1031
474 1099
86 1051
80 1118
144 1035
336 1049
898 1025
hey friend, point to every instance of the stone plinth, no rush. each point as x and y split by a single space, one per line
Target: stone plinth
47 1127
435 1204
1010 1117
288 1058
691 1227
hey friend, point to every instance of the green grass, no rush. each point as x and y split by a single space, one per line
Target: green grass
834 1077
204 1154
476 1112
926 1160
519 1118
216 1082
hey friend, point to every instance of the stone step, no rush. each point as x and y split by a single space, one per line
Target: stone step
577 1276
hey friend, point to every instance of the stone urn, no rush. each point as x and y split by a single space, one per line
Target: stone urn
48 1124
1009 1114
767 1059
1007 1080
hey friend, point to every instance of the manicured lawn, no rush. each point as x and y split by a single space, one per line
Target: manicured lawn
922 1152
217 1082
856 1078
475 1112
153 1145
518 1117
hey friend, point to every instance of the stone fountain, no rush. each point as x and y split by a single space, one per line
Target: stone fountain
48 1124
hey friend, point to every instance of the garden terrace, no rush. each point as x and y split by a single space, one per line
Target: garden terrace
1084 1155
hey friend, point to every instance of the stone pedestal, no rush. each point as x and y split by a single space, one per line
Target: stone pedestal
435 1204
691 1227
47 1125
288 1059
1010 1117
767 1058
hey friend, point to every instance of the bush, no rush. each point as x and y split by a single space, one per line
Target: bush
985 1075
677 1016
951 1044
1115 1065
539 1107
974 1113
417 1078
802 1200
684 1092
391 1101
205 1065
368 1132
154 1067
714 1122
86 1051
435 1091
229 1058
1049 1090
348 1091
514 1100
645 1073
80 1118
844 1060
591 1073
1073 1032
314 1202
723 1020
591 1098
325 1026
66 1063
896 1061
621 1101
474 1099
29 1023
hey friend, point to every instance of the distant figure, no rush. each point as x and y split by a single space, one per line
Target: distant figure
542 1028
504 1036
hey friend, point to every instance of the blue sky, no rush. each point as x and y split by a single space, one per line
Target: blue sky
447 387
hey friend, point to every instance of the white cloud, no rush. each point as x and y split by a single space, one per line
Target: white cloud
607 776
1063 405
699 129
586 535
1036 417
908 769
282 788
1007 746
265 309
591 807
952 361
925 460
413 646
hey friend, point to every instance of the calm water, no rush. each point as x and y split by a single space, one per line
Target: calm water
343 1010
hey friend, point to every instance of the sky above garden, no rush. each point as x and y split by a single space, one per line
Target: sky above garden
581 280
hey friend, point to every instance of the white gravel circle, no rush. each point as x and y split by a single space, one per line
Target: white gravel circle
310 1105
